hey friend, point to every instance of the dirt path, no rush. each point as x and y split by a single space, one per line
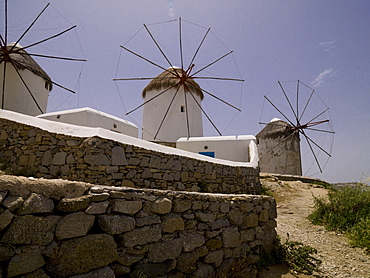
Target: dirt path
295 202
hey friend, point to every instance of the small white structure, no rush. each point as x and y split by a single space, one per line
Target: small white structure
168 116
279 148
240 148
92 118
15 96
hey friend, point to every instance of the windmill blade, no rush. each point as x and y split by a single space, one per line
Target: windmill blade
186 109
2 41
165 114
313 153
216 97
314 118
164 55
56 57
132 52
215 61
313 142
308 101
279 110
291 107
297 100
200 45
145 102
6 22
218 78
38 74
29 27
49 38
205 114
181 56
3 91
320 130
28 89
142 78
65 88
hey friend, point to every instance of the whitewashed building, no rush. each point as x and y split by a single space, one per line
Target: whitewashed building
92 118
171 111
241 148
15 96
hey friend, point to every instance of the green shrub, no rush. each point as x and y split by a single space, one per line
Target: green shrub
298 257
343 208
295 255
359 234
346 210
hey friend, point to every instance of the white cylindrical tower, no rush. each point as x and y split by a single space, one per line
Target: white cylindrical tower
14 95
172 107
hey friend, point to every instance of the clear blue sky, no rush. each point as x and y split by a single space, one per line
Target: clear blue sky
325 44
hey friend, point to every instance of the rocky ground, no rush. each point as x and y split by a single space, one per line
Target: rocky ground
294 203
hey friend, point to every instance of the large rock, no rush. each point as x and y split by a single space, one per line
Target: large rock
186 262
105 272
27 261
36 203
149 270
81 255
204 270
127 207
192 241
141 236
30 229
231 237
165 250
55 189
162 206
73 204
74 225
116 224
5 219
6 252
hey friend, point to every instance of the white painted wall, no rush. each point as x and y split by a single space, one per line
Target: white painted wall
175 123
92 118
234 148
82 131
16 96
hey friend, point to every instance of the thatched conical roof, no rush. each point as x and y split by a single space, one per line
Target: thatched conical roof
274 129
169 78
24 61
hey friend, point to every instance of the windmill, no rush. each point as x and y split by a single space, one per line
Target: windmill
24 84
304 119
172 100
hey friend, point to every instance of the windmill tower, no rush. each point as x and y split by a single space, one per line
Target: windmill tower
306 120
26 86
279 149
172 109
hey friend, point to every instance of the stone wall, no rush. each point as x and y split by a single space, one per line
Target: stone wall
29 150
56 228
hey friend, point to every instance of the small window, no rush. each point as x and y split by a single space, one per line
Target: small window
182 108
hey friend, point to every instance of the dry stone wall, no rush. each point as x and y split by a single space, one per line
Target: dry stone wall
32 151
56 228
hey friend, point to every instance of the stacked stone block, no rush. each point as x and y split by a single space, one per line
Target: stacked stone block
55 228
32 151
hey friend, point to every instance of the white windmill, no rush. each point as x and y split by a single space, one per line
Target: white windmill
25 85
172 100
